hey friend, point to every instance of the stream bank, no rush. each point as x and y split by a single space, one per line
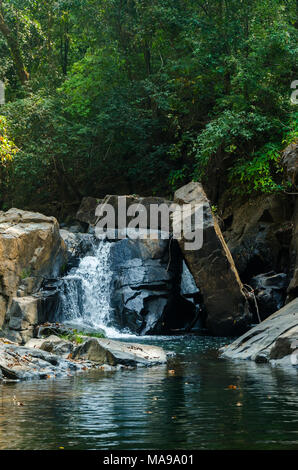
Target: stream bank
245 270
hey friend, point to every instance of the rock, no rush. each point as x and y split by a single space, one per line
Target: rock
145 289
106 351
57 329
289 162
145 202
86 212
213 269
52 344
285 345
293 286
78 245
189 288
270 291
23 315
274 338
71 241
30 249
22 363
258 233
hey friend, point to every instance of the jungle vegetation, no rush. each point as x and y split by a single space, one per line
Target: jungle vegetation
140 96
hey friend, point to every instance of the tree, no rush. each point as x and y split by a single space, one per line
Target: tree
14 48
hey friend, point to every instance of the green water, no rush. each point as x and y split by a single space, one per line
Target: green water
190 408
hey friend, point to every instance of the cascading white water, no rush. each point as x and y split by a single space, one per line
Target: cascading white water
85 296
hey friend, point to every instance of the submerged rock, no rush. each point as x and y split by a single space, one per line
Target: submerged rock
273 339
106 351
213 268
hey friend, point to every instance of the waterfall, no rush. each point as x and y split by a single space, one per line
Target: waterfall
86 290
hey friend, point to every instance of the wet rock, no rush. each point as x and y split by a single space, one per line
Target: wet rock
145 289
189 288
274 338
106 351
78 244
270 291
213 268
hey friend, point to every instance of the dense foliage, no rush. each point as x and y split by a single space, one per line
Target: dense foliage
140 96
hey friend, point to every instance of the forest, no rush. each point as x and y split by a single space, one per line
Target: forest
141 96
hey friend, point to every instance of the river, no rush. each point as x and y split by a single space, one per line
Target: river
188 404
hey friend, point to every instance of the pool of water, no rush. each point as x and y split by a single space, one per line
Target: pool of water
187 404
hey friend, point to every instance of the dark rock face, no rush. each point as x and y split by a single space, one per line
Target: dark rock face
214 271
145 287
273 339
290 164
270 291
259 235
86 212
293 287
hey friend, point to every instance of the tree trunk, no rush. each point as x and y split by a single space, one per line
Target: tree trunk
13 46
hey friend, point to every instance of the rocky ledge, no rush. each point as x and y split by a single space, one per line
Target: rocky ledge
44 358
275 340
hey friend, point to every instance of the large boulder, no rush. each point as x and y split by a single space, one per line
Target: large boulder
290 164
258 233
31 249
87 210
213 268
293 286
274 338
145 287
106 351
23 315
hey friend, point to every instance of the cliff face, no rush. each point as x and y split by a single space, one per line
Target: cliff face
30 250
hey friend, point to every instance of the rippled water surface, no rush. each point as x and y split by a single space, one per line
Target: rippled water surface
156 408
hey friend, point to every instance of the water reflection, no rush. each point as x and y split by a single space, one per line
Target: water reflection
193 408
